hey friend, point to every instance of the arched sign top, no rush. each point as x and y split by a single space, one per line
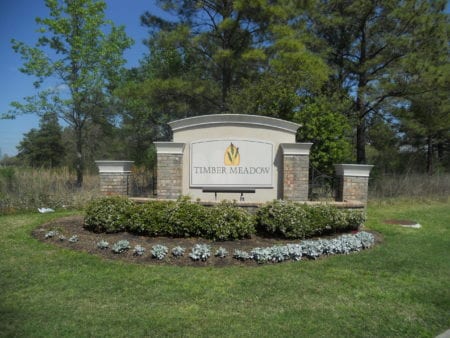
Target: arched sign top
235 119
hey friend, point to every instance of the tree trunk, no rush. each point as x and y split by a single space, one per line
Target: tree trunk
79 165
361 141
430 167
360 130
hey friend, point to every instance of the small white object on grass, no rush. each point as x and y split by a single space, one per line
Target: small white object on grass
45 210
414 226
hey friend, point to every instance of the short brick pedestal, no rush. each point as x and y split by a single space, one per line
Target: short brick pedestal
295 171
115 177
353 182
169 169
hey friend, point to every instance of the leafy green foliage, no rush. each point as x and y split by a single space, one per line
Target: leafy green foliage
200 252
108 214
85 58
294 220
121 246
102 244
138 250
185 218
150 218
178 251
241 255
159 251
328 129
227 222
221 252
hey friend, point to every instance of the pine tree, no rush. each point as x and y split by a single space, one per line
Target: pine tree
366 43
43 147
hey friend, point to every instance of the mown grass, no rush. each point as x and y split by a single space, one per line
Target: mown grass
399 288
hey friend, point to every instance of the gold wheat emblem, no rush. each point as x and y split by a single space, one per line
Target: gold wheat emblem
232 156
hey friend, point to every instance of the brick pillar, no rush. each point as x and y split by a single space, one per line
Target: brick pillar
169 173
353 182
295 171
115 177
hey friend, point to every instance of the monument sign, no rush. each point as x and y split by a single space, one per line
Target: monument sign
232 156
231 163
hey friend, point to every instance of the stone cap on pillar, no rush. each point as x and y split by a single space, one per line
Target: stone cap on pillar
107 166
296 148
169 148
355 170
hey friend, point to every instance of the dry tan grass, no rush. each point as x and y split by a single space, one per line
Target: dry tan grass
414 186
31 188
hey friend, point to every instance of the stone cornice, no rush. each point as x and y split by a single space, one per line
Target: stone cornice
169 148
107 166
355 170
235 119
296 148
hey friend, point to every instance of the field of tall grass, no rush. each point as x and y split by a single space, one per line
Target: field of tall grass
25 189
411 186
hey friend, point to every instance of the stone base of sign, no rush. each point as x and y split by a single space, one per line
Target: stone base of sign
353 182
115 177
295 171
169 169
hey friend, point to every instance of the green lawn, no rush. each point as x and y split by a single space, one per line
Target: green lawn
399 288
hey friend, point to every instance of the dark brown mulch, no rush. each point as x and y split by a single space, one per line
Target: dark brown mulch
73 225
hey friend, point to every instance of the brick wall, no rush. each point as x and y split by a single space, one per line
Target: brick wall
115 183
352 188
353 182
169 175
295 177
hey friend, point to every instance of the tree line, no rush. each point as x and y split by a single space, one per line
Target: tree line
368 80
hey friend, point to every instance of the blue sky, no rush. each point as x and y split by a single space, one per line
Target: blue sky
17 20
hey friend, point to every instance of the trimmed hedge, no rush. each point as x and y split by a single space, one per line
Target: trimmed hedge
150 218
294 220
109 214
228 221
182 218
225 221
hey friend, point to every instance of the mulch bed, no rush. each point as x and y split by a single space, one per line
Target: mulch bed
73 225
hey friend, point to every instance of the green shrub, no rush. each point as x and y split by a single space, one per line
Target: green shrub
354 219
109 214
185 218
227 222
295 220
150 218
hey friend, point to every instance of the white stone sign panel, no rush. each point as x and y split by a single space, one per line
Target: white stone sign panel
231 164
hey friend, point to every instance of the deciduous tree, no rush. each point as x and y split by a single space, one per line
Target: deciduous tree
79 53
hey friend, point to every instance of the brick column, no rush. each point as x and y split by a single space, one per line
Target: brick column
169 173
115 177
353 182
295 171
